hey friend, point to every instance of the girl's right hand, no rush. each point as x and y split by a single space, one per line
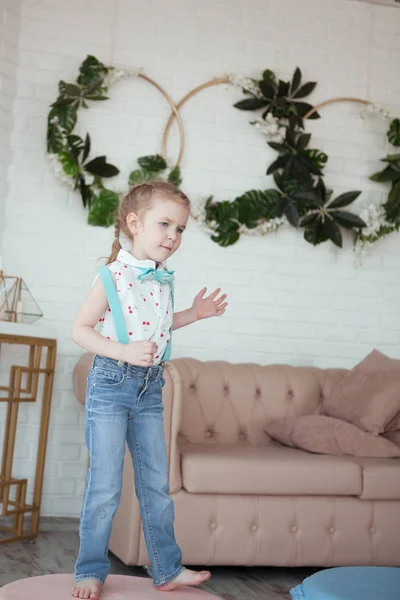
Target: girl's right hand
140 354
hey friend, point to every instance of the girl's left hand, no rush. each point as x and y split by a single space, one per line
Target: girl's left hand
211 306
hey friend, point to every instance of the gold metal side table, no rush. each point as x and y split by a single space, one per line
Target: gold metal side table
24 387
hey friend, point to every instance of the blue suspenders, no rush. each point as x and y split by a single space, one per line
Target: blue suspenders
116 310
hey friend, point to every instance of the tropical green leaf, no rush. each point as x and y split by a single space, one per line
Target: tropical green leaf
67 116
96 97
277 147
54 139
154 163
347 219
309 198
75 144
70 165
309 219
71 89
344 199
392 158
303 108
91 71
296 80
303 141
279 163
316 234
251 104
268 75
226 238
305 90
86 192
386 175
317 157
393 134
140 175
86 149
333 232
392 206
104 208
99 166
175 176
267 89
292 214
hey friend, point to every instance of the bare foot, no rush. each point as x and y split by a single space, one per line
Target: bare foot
88 589
187 577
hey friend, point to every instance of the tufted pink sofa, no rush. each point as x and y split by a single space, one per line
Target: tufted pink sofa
240 498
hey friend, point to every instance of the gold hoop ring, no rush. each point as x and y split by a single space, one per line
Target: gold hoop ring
333 101
189 95
174 115
219 81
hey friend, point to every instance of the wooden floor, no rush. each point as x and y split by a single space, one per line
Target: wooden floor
56 548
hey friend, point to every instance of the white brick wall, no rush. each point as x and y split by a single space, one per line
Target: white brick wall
289 302
9 33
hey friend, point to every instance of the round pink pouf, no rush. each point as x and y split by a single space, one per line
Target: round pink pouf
117 587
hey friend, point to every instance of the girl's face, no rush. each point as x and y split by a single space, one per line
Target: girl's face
158 233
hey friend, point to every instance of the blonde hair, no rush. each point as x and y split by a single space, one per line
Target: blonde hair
138 200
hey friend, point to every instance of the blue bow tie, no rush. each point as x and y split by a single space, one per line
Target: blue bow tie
160 275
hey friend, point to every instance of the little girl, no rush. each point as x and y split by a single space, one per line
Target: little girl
131 306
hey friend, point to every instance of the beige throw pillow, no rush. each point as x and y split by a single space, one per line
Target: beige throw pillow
369 395
326 435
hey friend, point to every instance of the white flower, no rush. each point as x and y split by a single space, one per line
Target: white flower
372 108
115 74
244 82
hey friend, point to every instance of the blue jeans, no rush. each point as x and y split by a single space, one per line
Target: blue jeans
124 404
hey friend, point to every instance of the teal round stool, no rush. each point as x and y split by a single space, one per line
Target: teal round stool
350 583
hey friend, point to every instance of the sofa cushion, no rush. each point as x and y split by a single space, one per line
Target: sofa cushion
393 436
381 478
267 470
368 396
326 435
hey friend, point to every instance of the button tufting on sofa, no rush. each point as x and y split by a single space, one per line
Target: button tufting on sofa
254 528
331 530
239 480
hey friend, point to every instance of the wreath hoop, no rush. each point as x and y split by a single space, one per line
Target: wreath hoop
300 197
68 153
368 229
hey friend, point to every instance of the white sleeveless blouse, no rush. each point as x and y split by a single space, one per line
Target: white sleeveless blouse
146 305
